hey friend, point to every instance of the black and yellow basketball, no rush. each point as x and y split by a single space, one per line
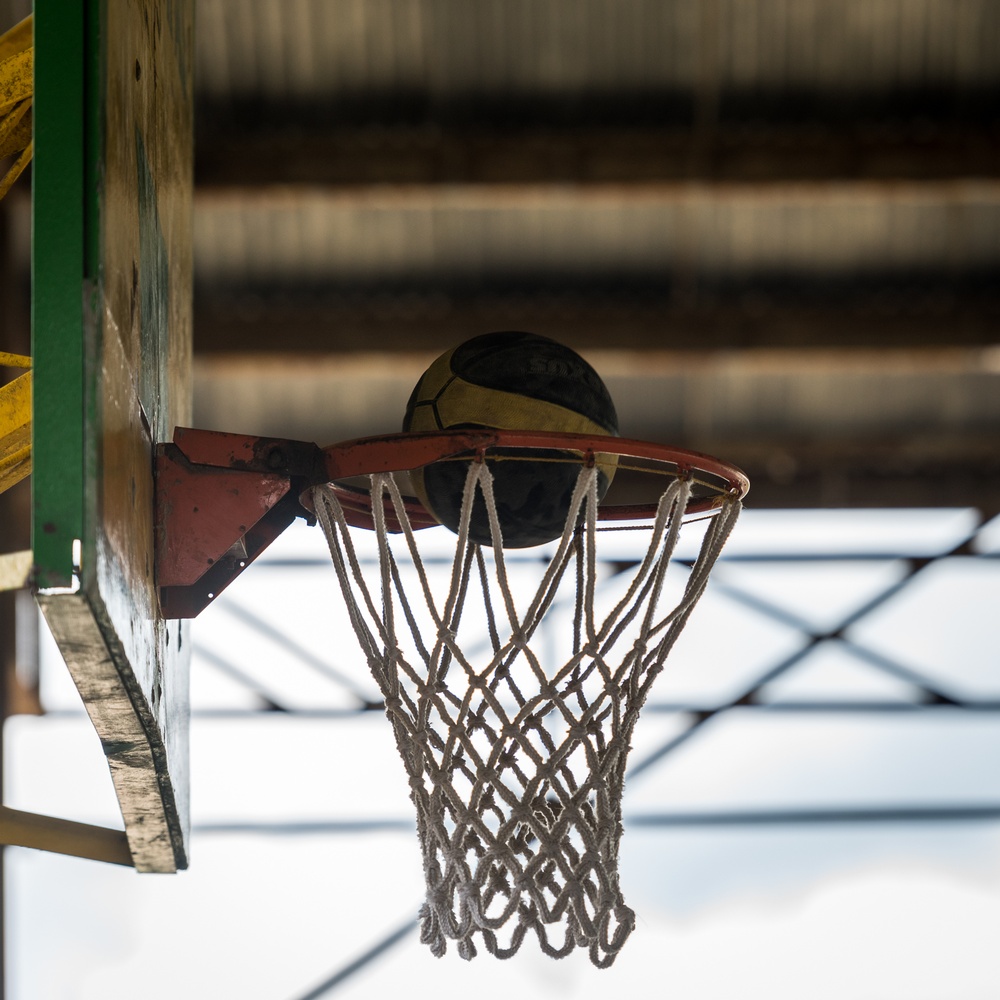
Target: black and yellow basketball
510 381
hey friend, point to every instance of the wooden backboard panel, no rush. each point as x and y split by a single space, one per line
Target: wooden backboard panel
112 346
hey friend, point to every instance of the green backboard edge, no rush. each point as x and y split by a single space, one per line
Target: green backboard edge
57 249
132 676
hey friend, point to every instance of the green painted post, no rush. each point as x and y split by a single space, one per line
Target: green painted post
57 297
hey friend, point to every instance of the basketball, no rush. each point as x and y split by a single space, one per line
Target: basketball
510 381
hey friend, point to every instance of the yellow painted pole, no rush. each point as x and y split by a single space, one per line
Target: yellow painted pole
63 836
15 424
17 39
15 128
16 91
15 79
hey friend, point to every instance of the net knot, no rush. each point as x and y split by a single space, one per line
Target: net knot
432 687
547 770
523 814
548 692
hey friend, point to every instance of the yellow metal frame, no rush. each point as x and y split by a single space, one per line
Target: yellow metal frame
16 94
63 836
15 423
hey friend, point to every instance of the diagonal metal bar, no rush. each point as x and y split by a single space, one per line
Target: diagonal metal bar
700 718
887 665
916 565
879 660
300 652
764 607
269 702
376 951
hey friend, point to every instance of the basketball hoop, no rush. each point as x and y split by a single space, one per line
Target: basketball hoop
516 764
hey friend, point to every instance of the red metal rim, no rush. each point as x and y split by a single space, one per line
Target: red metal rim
715 480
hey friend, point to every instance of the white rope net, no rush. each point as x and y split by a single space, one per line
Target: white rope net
515 763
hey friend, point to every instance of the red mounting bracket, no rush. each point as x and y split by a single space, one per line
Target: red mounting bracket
221 499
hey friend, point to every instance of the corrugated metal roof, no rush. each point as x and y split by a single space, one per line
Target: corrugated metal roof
448 49
474 233
722 177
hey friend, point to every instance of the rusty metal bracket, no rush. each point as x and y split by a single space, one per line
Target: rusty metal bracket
221 499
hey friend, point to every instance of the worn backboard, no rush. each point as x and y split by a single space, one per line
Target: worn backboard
111 280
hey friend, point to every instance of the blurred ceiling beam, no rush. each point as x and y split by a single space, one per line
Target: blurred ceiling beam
655 265
741 153
774 226
311 321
